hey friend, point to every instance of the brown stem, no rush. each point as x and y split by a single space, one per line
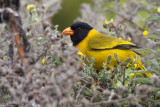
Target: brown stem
15 31
17 37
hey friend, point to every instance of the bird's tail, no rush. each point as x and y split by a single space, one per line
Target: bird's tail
141 67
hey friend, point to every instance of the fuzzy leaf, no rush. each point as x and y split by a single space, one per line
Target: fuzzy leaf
118 84
153 18
152 37
142 80
142 71
109 58
127 72
125 62
116 57
155 62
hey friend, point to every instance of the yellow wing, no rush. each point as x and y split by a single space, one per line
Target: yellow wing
104 42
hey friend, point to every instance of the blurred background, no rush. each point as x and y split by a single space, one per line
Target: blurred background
68 13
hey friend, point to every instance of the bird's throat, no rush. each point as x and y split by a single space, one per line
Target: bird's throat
78 37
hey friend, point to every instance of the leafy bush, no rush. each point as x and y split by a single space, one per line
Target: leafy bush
61 78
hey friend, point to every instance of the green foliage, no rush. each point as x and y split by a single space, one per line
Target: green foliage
153 18
5 97
56 62
143 14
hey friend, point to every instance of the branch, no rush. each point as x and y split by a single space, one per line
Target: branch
130 21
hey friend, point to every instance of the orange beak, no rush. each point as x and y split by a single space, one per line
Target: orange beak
68 31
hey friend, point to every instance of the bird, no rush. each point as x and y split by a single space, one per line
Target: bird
99 46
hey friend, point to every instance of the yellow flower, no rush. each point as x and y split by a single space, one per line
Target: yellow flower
31 8
131 74
28 7
145 33
129 39
43 60
136 66
79 83
94 88
158 9
106 22
111 20
79 53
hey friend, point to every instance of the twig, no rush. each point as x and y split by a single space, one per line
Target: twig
11 53
80 92
43 54
124 79
130 20
111 101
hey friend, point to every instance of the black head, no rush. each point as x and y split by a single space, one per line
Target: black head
81 30
80 26
77 31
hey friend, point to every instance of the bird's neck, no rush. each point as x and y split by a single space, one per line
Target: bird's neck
78 37
83 45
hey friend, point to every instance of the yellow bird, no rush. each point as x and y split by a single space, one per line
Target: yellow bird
97 45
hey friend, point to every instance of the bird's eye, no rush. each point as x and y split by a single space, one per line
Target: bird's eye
79 29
